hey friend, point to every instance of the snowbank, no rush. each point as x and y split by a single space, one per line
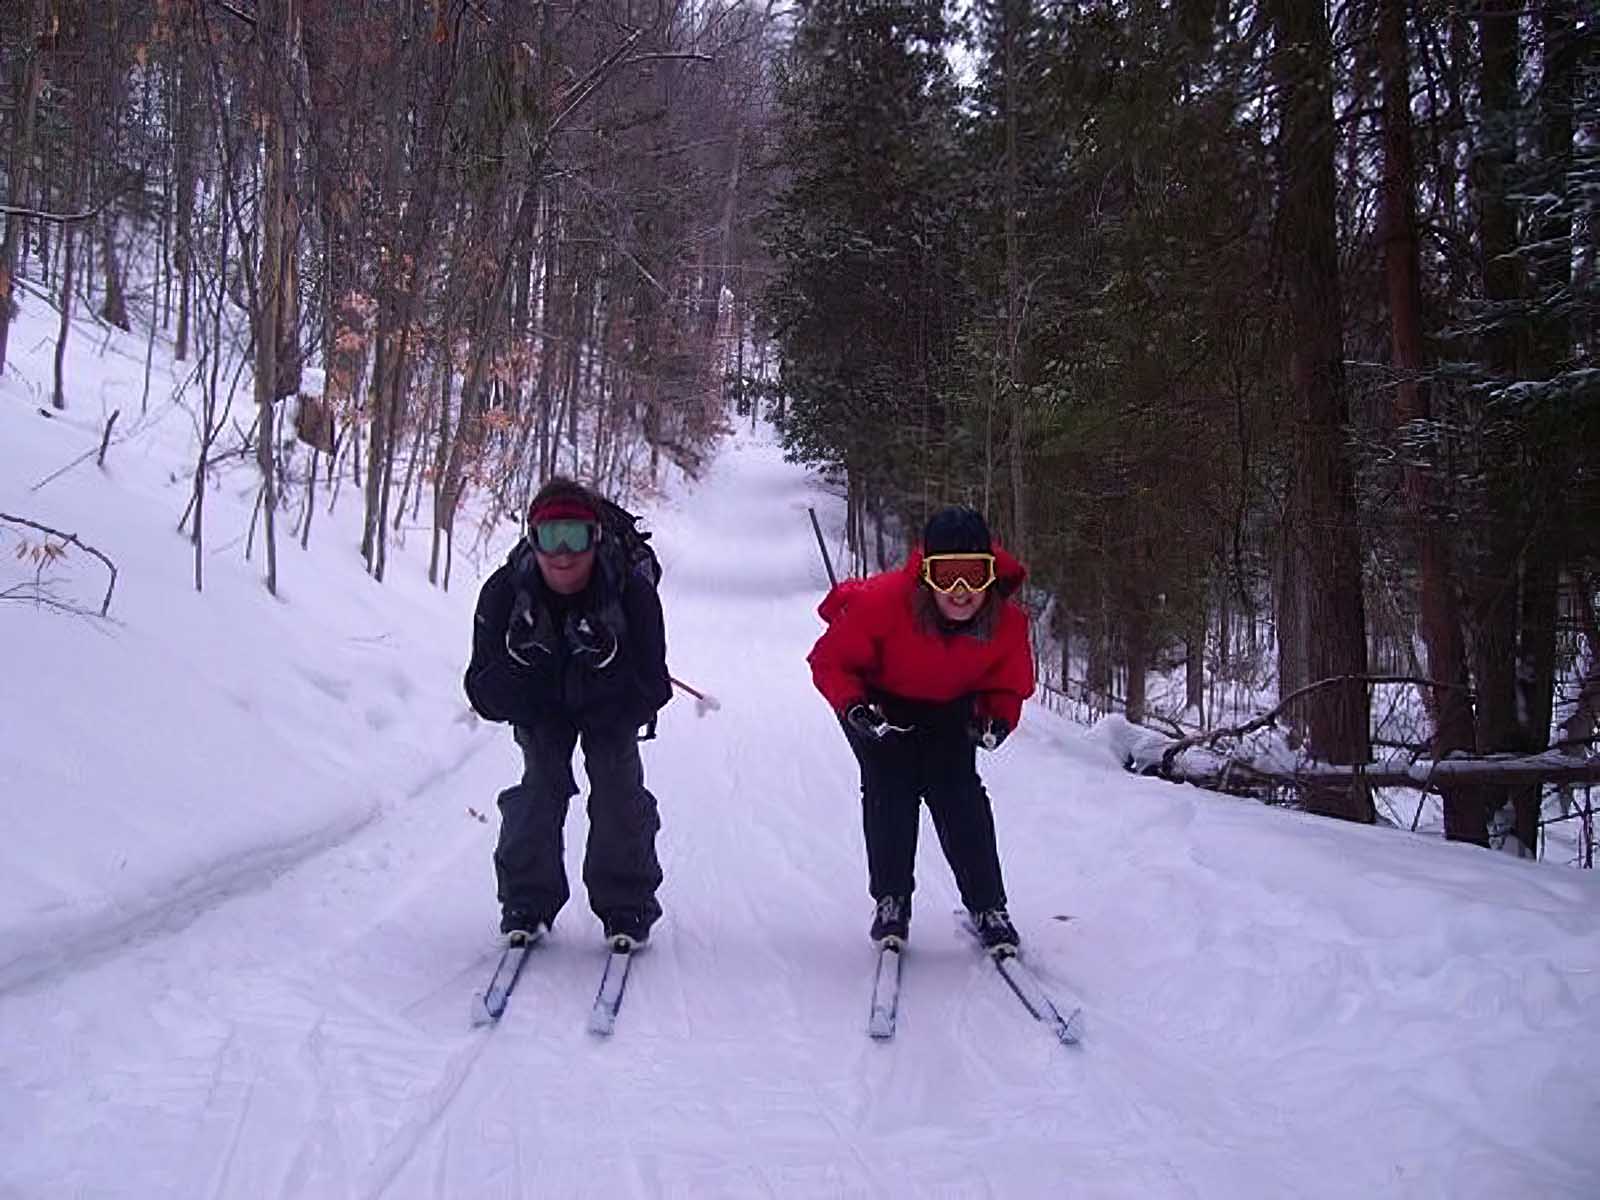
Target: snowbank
191 744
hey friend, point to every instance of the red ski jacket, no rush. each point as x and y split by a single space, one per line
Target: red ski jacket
874 643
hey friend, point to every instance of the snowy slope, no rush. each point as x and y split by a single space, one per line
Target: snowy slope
194 743
277 1004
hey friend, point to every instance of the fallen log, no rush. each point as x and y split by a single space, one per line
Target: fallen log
1219 771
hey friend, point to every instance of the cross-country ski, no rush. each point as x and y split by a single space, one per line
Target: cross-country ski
885 1011
490 1004
613 985
1025 985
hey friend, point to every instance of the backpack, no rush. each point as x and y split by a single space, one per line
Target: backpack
622 529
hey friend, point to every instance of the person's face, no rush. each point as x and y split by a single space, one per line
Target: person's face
565 553
959 605
564 572
959 583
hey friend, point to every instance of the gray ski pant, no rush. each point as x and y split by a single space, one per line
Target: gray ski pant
620 868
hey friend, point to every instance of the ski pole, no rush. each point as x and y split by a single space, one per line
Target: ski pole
703 702
823 546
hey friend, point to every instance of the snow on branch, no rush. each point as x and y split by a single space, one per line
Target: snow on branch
1269 718
1204 760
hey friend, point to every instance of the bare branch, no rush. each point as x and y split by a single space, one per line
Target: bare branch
582 90
237 14
664 56
105 438
105 604
34 594
1271 717
39 214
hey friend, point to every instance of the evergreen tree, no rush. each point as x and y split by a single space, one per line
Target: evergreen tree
866 298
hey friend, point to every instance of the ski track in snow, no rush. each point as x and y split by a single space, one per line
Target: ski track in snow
302 1030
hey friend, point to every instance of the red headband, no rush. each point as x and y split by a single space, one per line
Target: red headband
563 508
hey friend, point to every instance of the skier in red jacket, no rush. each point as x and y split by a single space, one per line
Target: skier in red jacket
923 665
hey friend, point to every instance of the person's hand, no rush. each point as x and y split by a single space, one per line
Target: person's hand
868 720
592 641
989 732
530 634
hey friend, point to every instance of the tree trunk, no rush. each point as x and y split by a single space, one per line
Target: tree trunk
1536 675
383 362
551 352
58 397
1549 353
1583 722
377 440
1064 633
1014 13
418 434
1136 647
311 498
1442 635
1289 620
1552 225
1496 583
115 309
208 400
20 169
1098 659
1194 674
440 458
1335 618
275 18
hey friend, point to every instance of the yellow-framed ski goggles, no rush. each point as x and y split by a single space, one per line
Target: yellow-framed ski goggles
944 573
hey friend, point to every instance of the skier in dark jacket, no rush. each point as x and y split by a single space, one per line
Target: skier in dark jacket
569 644
923 665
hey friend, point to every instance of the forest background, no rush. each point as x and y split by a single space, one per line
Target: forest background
1263 332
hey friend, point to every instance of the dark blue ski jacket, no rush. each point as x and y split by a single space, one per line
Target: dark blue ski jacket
550 677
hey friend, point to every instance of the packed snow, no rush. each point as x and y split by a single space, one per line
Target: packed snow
246 897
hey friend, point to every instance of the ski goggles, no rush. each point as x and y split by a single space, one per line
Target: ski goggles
944 573
565 536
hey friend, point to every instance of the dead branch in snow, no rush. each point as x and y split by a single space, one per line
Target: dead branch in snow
1239 732
72 538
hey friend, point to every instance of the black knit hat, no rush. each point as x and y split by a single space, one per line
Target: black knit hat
956 531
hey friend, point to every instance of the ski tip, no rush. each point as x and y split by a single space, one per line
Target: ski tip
623 944
892 942
1070 1031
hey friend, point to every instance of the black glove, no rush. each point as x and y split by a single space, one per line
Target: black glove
989 732
868 720
592 640
531 633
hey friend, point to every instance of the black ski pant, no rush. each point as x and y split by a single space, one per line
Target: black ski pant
940 766
620 868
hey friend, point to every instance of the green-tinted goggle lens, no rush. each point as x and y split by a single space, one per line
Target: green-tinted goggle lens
563 537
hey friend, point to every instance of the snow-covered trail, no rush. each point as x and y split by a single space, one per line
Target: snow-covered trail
1276 1005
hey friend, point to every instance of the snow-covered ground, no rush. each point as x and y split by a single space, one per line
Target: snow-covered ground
244 906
